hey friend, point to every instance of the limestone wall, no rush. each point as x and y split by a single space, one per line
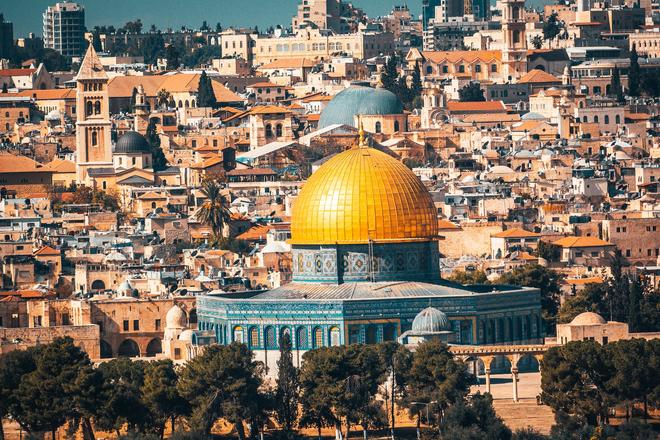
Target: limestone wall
86 337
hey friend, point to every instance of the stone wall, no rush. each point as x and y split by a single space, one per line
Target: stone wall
472 239
86 337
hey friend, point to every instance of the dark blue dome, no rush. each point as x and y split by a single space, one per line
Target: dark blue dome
359 100
132 142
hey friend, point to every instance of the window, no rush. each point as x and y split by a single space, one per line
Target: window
254 337
378 127
238 334
334 337
461 69
429 70
445 69
136 325
617 119
95 138
97 107
65 319
396 126
627 252
605 340
278 130
607 119
269 130
157 324
318 337
477 68
125 325
493 67
596 119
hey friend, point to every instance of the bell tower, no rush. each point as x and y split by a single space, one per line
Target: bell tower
93 144
514 53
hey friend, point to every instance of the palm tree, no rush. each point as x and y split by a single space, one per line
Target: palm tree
214 212
163 98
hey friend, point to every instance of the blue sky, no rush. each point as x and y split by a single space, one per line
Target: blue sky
26 14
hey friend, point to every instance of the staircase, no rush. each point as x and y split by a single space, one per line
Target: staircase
525 413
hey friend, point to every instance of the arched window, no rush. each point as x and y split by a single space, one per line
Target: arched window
617 119
97 108
95 138
596 119
429 70
318 337
285 331
269 130
238 334
6 114
180 104
187 104
192 103
585 119
301 338
270 337
334 337
396 126
89 108
133 161
278 130
607 119
254 337
378 127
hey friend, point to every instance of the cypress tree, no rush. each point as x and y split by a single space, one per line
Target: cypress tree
287 395
633 73
616 85
205 94
157 156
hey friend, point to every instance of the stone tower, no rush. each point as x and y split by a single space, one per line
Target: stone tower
514 53
93 144
141 120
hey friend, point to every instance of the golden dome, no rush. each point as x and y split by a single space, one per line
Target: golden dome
363 194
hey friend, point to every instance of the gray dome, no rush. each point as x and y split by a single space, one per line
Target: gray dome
533 116
359 100
132 142
430 320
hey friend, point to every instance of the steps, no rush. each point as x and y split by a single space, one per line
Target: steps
525 413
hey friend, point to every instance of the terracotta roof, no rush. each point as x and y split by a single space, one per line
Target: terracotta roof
255 233
470 107
532 125
447 225
638 116
314 117
515 233
268 109
47 250
262 84
46 94
10 163
122 86
207 163
290 63
538 76
583 281
575 242
492 117
16 72
62 166
468 56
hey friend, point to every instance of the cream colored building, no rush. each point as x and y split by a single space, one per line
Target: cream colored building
322 45
590 326
646 43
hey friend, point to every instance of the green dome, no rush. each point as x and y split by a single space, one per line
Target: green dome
359 100
132 142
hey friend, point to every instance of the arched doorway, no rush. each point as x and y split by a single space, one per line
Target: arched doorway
154 347
528 364
128 348
106 350
192 316
98 285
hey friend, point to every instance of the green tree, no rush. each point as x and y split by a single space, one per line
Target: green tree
634 76
537 42
552 27
319 381
205 93
389 77
13 366
548 251
123 404
88 397
616 88
287 394
471 92
172 56
573 380
468 277
43 397
163 98
161 396
437 380
158 160
223 381
214 211
96 40
546 280
528 433
474 419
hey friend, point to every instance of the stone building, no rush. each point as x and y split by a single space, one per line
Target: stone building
593 327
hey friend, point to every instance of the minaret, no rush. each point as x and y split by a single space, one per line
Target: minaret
141 120
514 53
566 77
564 116
93 144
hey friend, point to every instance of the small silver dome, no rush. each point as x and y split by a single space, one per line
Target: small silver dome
430 320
